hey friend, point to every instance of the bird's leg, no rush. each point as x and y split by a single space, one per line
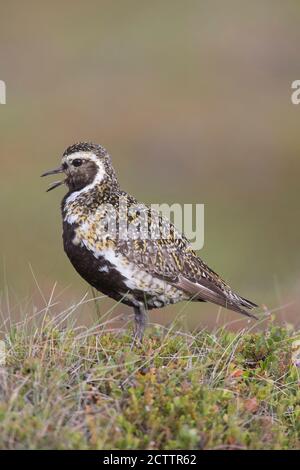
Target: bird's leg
140 317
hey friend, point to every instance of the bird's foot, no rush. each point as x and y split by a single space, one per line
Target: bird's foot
140 317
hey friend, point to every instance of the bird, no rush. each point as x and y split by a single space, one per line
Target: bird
104 240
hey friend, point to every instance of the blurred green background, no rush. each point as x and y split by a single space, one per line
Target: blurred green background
193 101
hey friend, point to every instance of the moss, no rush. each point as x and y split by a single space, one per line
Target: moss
177 391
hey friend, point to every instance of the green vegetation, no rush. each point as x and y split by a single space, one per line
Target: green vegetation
72 388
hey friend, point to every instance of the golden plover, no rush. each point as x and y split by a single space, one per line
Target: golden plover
138 269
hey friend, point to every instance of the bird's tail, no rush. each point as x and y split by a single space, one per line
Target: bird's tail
237 304
225 298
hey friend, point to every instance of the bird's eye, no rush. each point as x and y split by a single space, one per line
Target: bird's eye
77 162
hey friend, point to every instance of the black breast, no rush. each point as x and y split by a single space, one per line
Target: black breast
98 272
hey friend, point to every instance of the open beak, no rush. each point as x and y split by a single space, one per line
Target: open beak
54 172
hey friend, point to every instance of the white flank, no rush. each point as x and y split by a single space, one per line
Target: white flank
125 269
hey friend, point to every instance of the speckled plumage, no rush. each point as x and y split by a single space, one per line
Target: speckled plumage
143 273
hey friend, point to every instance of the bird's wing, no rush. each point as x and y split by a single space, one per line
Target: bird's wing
161 250
171 257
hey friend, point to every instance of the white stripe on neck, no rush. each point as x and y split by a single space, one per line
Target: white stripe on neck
98 178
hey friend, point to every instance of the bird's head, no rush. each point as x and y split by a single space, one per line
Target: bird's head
83 164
